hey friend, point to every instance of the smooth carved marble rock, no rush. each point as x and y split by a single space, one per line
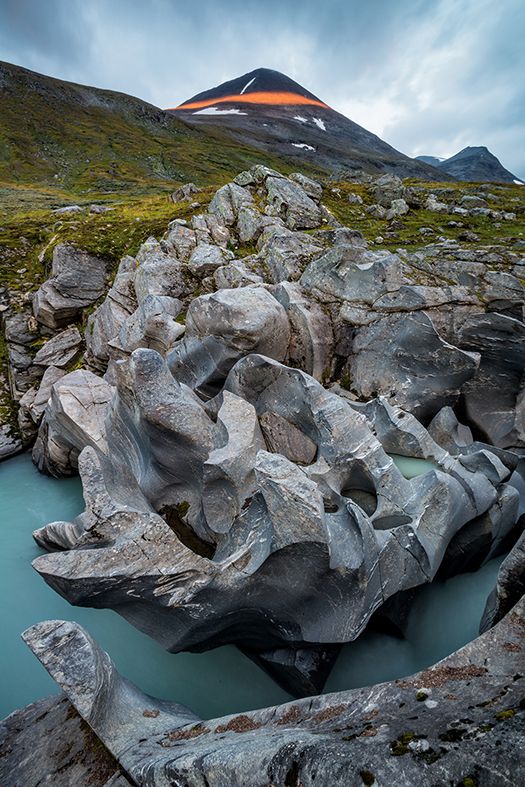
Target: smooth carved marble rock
74 417
311 336
221 328
104 324
77 280
510 586
221 483
410 731
99 694
494 396
229 474
244 528
350 272
153 324
404 358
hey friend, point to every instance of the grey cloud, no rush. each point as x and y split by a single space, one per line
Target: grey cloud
48 32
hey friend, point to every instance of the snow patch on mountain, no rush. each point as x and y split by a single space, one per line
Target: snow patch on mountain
302 145
519 183
300 119
215 111
247 85
320 123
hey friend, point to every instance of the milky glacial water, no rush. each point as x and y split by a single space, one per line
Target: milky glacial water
444 617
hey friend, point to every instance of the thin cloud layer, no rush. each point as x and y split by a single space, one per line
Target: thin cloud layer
428 76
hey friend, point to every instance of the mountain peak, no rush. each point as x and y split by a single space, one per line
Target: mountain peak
474 163
260 86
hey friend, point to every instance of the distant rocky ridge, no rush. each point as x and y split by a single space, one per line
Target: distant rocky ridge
245 383
476 164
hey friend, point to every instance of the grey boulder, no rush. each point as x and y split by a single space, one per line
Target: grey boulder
77 280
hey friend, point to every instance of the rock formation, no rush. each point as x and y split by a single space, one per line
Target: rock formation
237 434
77 280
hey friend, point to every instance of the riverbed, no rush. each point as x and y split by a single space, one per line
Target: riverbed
444 617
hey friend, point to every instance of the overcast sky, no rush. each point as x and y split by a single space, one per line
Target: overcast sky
428 76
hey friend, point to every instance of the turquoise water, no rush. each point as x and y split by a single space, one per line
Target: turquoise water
445 616
214 683
412 467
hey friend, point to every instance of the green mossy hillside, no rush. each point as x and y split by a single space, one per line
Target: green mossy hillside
27 237
81 139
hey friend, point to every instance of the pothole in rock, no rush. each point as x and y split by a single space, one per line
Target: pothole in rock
359 487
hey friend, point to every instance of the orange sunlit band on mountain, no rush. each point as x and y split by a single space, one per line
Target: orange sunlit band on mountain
260 97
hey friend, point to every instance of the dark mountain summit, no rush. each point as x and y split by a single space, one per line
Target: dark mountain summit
259 86
473 164
270 111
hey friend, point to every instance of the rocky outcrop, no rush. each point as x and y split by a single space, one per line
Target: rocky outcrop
60 351
324 505
77 280
221 328
50 740
104 324
404 356
74 417
243 466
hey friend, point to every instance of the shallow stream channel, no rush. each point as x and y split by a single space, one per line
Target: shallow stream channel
444 616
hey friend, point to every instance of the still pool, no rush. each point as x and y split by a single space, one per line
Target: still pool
215 683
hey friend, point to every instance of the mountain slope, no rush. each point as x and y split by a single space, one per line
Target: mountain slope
434 161
473 164
270 111
79 138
